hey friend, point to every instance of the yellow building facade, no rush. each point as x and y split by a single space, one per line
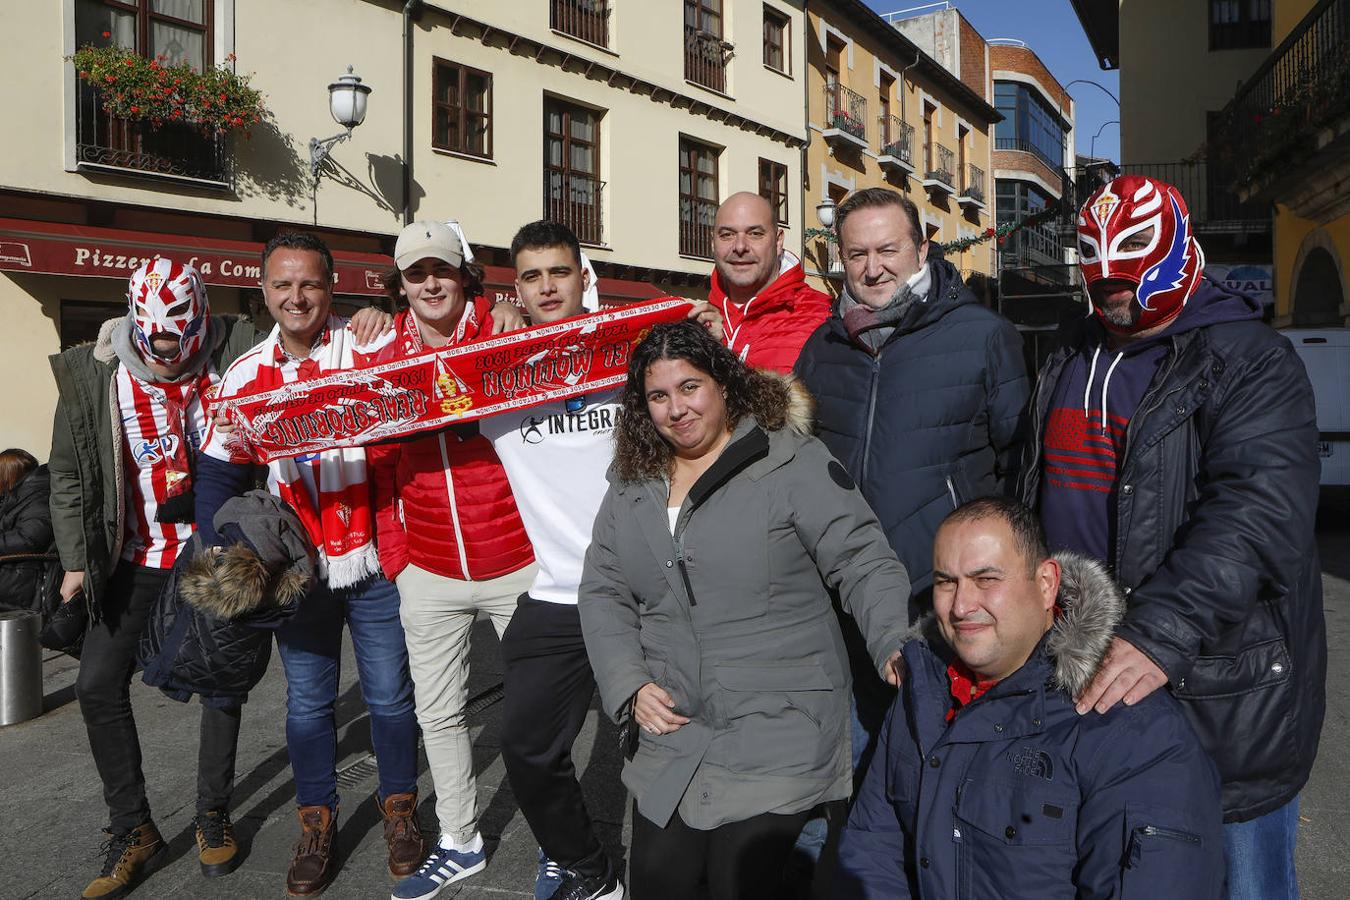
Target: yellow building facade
629 121
884 112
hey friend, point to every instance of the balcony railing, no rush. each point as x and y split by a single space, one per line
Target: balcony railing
1025 146
973 187
705 59
1302 86
586 20
846 110
175 149
1212 205
940 165
897 139
573 198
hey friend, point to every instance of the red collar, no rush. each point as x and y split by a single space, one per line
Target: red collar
282 354
965 686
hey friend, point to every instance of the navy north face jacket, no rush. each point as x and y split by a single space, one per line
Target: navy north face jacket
1019 796
929 422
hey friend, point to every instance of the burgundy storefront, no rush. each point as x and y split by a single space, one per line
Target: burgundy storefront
53 248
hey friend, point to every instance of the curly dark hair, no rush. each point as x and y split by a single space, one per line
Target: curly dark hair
470 275
640 452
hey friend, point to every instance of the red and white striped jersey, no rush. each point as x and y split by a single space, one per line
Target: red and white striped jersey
150 447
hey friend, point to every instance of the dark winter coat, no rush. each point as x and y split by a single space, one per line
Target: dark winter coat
930 421
1021 797
731 616
26 535
88 499
1215 548
209 632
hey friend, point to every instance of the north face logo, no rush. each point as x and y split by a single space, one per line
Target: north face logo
1033 762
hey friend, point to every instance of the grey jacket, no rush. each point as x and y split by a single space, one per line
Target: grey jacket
731 615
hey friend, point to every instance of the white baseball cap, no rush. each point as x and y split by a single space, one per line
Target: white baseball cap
427 239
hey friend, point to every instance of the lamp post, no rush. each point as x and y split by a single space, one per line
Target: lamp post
1092 145
1096 85
825 211
347 102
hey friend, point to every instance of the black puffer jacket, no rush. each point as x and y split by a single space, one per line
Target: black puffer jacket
930 421
209 633
1215 547
26 532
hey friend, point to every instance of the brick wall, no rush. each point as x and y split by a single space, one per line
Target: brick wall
972 60
1023 60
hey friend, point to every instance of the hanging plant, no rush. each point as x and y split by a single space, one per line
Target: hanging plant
132 87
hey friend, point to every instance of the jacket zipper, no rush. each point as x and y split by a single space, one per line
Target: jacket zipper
871 412
454 508
679 561
1136 849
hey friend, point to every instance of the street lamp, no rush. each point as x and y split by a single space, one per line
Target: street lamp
1092 145
825 211
1094 84
347 103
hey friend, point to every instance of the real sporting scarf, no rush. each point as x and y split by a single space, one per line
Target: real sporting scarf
435 388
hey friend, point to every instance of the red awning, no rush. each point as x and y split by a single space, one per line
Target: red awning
54 248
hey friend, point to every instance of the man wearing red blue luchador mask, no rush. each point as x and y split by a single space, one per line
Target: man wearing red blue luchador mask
1173 438
1138 257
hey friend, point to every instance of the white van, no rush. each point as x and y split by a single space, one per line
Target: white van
1326 355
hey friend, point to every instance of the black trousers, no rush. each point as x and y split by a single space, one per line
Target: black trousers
547 688
742 860
103 687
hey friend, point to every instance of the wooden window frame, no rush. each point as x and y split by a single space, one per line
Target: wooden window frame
775 19
462 113
565 170
773 176
145 14
695 147
1247 33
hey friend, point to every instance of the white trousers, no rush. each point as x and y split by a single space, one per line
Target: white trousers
438 615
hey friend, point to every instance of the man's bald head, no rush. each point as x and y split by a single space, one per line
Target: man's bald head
747 245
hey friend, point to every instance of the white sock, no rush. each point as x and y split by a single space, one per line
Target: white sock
473 845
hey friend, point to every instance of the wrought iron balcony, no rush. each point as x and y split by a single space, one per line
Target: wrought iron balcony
845 117
705 59
972 190
1212 205
1286 111
938 169
896 149
573 199
586 20
173 150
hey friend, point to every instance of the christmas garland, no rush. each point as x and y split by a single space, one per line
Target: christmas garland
999 233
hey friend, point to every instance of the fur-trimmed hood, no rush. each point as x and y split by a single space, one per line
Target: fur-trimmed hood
1091 606
114 344
799 408
267 565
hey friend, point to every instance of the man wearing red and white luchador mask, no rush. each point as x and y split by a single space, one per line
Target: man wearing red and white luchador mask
1173 438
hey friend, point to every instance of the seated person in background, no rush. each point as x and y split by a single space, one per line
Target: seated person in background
987 783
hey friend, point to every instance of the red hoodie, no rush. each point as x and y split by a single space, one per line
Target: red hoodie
442 501
769 329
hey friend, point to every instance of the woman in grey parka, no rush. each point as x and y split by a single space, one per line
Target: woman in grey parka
706 611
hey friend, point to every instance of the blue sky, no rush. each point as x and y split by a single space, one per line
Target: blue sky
1050 28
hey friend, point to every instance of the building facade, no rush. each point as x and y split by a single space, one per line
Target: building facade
627 120
907 110
1179 63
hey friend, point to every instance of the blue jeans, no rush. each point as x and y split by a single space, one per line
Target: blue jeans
1260 856
311 652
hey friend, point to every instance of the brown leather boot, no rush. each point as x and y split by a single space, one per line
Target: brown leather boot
128 859
312 865
403 834
216 848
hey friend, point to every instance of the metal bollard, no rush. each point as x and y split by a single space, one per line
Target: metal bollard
20 666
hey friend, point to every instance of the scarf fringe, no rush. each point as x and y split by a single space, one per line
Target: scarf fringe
350 568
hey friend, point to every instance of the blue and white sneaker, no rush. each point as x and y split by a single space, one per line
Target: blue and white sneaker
442 867
548 880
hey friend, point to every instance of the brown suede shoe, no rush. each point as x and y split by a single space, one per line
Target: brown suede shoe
216 847
312 865
128 859
403 834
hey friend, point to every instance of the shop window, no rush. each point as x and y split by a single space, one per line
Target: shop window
81 319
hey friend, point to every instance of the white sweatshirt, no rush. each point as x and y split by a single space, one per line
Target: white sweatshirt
556 462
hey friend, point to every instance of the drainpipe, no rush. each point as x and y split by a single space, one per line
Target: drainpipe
806 124
410 9
902 82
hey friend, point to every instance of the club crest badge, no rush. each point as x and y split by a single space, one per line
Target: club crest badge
1104 206
344 513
